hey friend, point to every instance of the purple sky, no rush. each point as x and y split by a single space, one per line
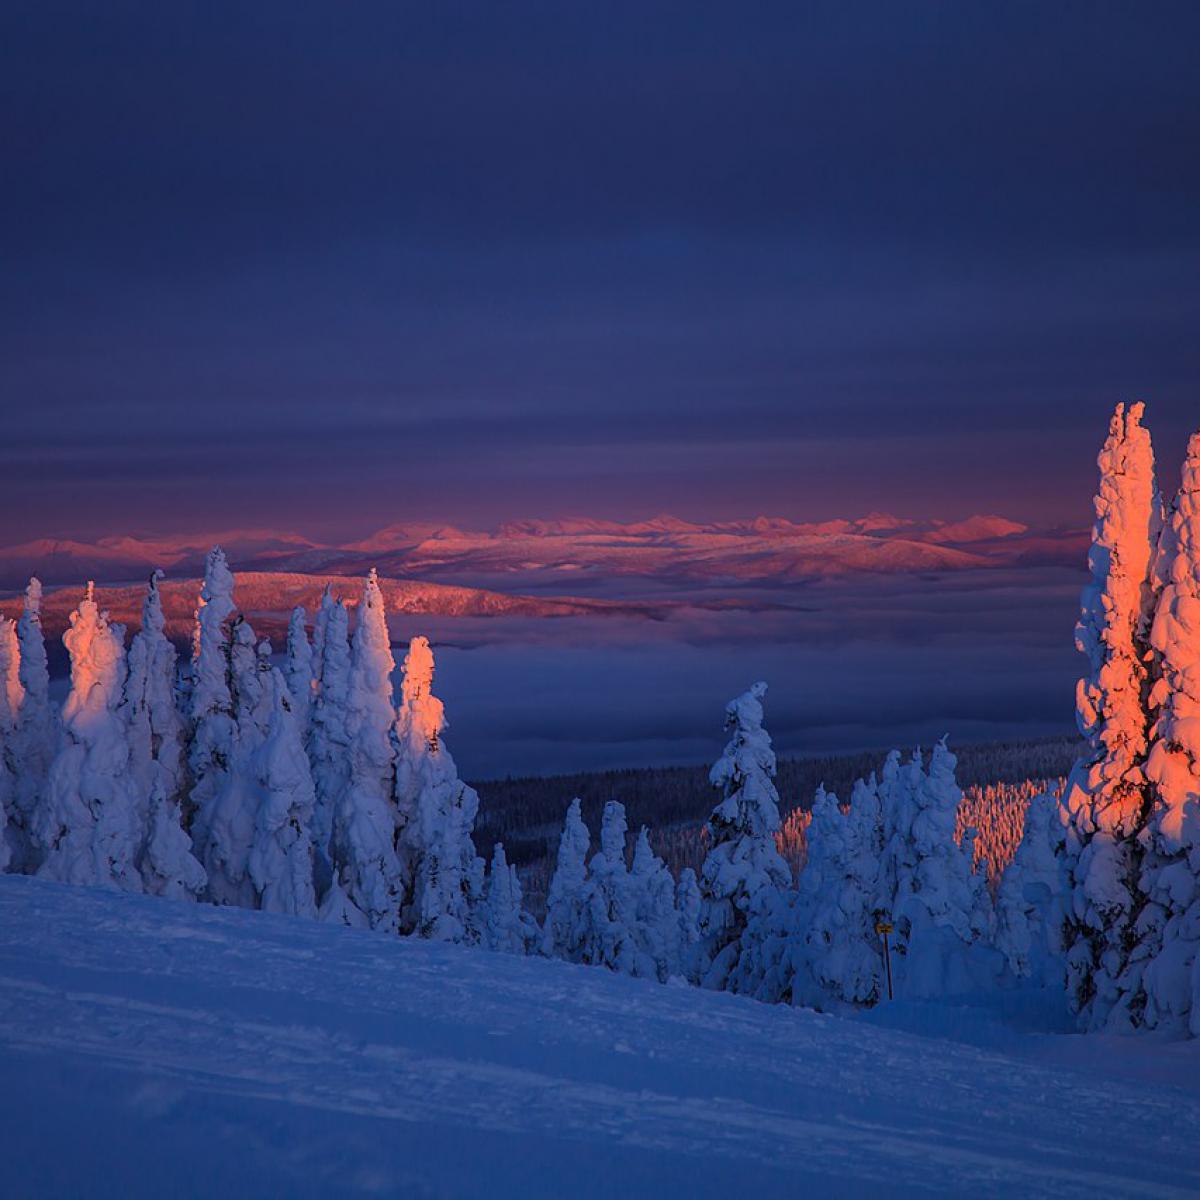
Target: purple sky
349 265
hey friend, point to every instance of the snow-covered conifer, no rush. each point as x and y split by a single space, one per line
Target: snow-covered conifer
299 669
1031 896
35 737
687 912
840 964
941 911
329 735
11 695
87 827
1161 984
1106 800
436 812
506 925
281 853
364 820
213 728
168 867
564 906
12 838
609 911
656 923
148 708
338 909
743 864
232 702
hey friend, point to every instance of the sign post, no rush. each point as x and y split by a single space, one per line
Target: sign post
884 928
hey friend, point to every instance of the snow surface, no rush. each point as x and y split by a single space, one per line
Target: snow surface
152 1048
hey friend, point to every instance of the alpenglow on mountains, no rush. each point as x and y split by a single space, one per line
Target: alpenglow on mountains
567 553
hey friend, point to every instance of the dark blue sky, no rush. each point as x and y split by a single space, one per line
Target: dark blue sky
333 266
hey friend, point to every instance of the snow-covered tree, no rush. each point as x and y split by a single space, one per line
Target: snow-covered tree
364 821
842 966
436 812
35 736
168 867
609 916
281 852
11 695
87 828
338 909
941 910
743 864
213 727
148 707
687 913
565 902
231 704
1030 899
1160 986
656 922
506 925
250 682
156 764
329 735
1107 798
299 668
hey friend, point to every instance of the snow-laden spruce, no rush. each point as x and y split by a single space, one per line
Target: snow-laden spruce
299 668
149 707
687 920
656 929
436 813
565 901
1106 798
506 926
87 828
10 708
743 866
167 865
609 915
816 946
329 735
281 852
1030 902
840 962
941 910
155 731
35 735
363 844
1161 985
213 728
233 813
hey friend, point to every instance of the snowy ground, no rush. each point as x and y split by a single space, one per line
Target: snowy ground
152 1049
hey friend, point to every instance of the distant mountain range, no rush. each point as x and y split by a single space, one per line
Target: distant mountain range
267 598
572 553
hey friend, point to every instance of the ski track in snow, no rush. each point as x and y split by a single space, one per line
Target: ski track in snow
146 1045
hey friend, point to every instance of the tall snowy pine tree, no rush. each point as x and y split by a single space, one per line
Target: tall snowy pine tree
437 813
1107 798
743 866
87 828
1161 984
364 821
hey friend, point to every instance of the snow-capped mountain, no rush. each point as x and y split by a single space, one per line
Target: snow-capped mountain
268 597
761 550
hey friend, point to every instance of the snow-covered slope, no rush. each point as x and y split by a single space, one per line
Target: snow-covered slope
149 1048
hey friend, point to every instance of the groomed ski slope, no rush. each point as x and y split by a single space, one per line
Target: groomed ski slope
150 1049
